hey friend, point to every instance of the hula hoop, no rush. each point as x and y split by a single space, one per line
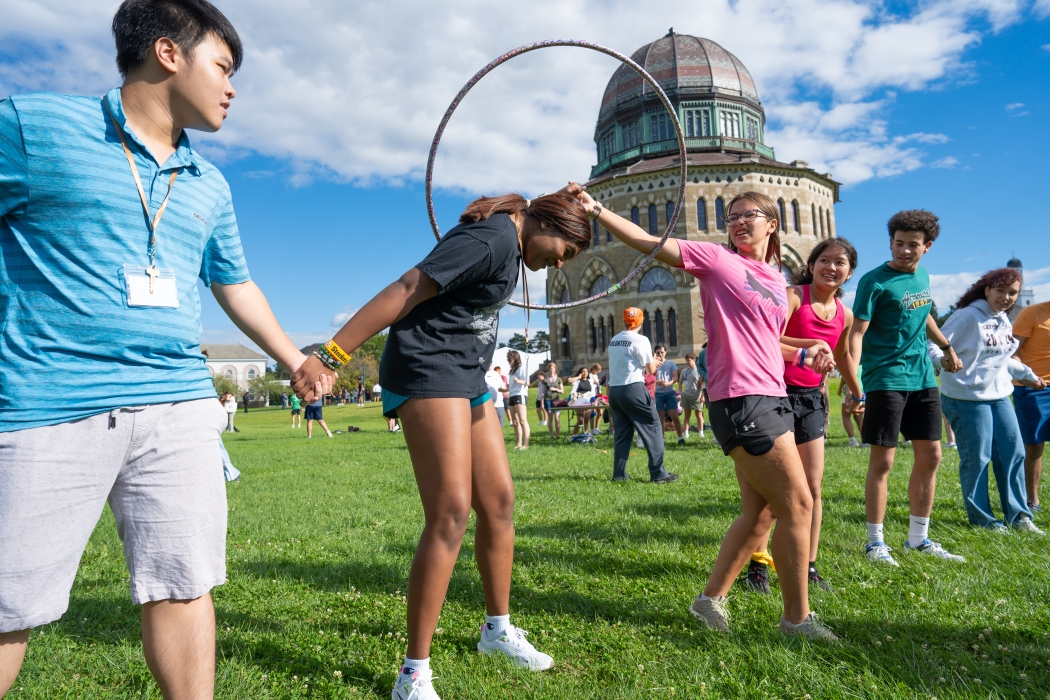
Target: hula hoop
645 76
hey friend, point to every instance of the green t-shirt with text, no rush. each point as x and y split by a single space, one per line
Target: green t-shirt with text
896 304
297 403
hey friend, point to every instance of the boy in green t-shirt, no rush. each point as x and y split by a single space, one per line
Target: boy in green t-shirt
893 322
297 411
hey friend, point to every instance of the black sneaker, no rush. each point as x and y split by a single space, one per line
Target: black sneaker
814 578
666 479
757 579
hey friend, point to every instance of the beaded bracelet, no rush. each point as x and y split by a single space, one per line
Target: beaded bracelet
326 359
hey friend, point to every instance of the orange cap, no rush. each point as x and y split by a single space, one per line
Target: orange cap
633 317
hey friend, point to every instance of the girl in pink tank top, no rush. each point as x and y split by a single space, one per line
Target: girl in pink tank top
815 313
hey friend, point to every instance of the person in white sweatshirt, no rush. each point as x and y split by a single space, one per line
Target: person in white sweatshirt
976 400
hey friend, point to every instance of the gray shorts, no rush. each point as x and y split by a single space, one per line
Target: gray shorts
160 469
690 403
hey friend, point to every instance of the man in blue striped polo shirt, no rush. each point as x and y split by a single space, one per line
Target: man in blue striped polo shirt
107 218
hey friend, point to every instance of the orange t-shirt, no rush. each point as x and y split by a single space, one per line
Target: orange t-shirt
1033 323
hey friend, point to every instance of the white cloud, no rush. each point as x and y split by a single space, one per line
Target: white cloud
1013 106
355 91
948 288
947 162
340 319
1042 9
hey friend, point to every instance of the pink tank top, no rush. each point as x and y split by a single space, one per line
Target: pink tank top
805 323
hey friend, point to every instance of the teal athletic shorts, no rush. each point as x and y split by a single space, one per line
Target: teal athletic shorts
391 401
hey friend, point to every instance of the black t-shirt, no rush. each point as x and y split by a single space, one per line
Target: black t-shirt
443 347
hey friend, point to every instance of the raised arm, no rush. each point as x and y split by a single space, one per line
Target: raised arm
383 310
627 232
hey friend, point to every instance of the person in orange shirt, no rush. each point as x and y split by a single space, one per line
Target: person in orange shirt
1032 330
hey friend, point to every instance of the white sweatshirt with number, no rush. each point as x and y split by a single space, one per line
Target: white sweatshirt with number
984 341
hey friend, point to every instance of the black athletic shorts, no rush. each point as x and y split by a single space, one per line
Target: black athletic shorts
811 412
752 422
914 414
516 400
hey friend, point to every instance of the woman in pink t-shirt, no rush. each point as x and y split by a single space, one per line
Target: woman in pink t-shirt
745 299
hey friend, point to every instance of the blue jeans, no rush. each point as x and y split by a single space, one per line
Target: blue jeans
988 431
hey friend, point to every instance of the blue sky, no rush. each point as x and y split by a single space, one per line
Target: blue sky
939 105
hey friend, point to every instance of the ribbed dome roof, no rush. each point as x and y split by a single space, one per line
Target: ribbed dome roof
680 64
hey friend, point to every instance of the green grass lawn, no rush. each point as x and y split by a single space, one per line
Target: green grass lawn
322 532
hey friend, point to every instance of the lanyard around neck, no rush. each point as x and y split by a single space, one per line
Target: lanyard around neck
155 221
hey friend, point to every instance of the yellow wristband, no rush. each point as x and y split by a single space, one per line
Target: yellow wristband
337 352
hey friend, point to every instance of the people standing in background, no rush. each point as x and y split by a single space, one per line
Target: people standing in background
517 403
541 397
247 397
1032 330
976 400
555 388
314 413
582 391
494 382
230 404
360 394
377 393
297 413
666 399
284 400
691 386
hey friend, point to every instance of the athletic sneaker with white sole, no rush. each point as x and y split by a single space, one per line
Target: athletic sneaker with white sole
880 553
1026 525
418 686
934 549
810 628
515 647
711 611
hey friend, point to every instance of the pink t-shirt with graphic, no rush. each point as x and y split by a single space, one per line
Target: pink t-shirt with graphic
745 311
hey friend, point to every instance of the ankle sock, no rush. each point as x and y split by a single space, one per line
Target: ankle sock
813 567
875 533
496 625
412 665
920 529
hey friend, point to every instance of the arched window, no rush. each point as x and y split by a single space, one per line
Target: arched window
795 217
669 211
602 333
816 226
594 337
595 228
251 373
822 222
657 279
783 214
228 374
658 317
827 218
612 328
647 327
672 328
600 285
701 214
566 347
608 236
720 214
653 225
636 218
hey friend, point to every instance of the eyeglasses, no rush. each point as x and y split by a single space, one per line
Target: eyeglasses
747 216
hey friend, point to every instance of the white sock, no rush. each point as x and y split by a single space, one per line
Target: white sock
875 533
496 625
920 529
704 596
412 665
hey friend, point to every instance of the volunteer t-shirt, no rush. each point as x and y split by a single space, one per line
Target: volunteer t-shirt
442 347
1033 323
745 311
690 379
665 373
519 389
896 304
494 382
629 353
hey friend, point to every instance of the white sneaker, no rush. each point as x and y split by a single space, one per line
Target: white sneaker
418 686
1027 525
701 435
515 647
854 442
638 442
329 433
685 433
880 553
951 445
934 549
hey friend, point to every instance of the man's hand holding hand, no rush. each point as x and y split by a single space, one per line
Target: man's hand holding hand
311 379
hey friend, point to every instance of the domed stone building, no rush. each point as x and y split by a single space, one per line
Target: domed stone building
637 177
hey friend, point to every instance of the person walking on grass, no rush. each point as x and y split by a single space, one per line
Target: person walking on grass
815 314
297 412
246 398
892 324
1032 330
666 398
633 409
443 316
230 405
315 412
554 389
691 386
518 382
976 400
744 295
99 279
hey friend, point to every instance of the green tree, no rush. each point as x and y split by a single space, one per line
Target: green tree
939 319
518 342
267 387
541 342
222 385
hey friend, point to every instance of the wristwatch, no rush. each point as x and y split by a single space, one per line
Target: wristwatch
945 348
596 212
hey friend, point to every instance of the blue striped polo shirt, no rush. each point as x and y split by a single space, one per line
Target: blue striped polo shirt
70 219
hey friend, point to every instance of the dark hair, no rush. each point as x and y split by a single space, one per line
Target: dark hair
658 347
690 356
768 207
138 24
805 275
514 359
915 220
994 278
560 211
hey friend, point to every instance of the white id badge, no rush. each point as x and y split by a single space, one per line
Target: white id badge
164 293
